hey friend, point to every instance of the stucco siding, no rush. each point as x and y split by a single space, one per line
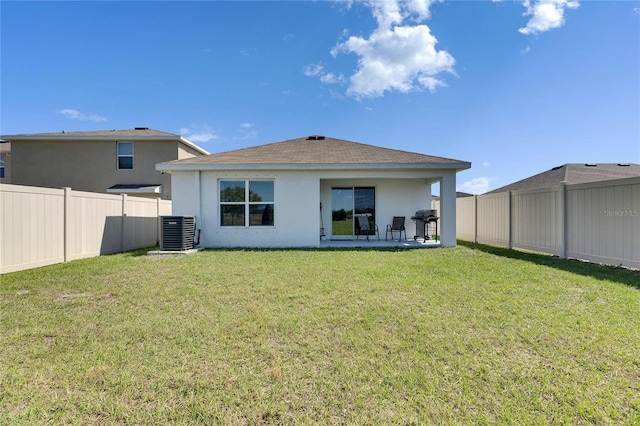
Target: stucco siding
89 165
296 205
297 197
5 151
185 151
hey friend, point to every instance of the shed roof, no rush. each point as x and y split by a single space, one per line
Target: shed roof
312 151
574 173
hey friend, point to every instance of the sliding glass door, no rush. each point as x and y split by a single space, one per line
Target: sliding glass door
346 204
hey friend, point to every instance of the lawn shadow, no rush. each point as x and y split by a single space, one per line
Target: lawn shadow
599 271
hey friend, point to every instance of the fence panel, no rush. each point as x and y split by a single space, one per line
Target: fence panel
493 219
466 218
94 224
140 223
603 222
43 226
537 220
32 227
598 221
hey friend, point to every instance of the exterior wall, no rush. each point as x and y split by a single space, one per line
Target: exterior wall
298 195
43 226
5 150
90 165
185 151
296 198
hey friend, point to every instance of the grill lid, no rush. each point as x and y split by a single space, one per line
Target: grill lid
424 214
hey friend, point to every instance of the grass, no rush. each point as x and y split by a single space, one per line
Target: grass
469 335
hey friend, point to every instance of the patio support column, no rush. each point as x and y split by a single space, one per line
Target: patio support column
448 210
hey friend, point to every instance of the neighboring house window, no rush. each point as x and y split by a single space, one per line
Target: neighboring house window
2 159
125 155
246 203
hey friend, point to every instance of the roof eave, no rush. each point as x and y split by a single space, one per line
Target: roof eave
67 137
169 166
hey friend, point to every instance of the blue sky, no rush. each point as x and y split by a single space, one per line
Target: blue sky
515 87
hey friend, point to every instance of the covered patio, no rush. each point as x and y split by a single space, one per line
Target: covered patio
373 242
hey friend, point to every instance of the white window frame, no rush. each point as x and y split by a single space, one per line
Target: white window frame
3 160
118 156
247 203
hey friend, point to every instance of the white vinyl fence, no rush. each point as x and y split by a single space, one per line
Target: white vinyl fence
43 226
597 221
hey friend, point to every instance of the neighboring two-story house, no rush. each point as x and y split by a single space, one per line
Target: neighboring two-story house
110 161
5 162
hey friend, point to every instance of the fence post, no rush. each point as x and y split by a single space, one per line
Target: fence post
122 222
158 222
510 220
475 219
563 219
67 222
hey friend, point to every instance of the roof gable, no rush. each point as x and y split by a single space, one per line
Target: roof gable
313 150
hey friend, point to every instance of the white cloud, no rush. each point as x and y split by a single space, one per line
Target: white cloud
331 78
396 56
313 70
401 59
246 131
74 114
546 14
478 185
202 135
317 70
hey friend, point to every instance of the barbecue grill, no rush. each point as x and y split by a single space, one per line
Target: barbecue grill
425 221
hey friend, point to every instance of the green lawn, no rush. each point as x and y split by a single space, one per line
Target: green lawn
469 335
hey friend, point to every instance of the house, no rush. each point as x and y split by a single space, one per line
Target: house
5 161
574 173
111 161
281 194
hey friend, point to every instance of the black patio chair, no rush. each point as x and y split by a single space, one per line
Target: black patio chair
397 225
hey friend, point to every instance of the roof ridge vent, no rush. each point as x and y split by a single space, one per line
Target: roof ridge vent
591 165
315 138
624 164
141 128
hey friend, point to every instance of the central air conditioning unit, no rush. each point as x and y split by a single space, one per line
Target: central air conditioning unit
178 233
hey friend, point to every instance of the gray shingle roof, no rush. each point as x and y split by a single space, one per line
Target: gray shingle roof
317 150
137 132
574 173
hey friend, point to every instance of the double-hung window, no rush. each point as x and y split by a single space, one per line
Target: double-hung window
246 203
2 160
125 155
